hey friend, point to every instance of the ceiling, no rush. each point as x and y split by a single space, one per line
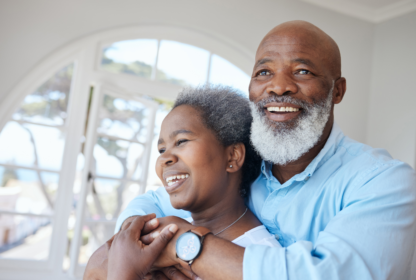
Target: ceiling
370 10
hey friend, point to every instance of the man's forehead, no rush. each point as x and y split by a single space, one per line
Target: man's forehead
281 44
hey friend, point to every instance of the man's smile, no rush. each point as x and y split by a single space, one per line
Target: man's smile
282 112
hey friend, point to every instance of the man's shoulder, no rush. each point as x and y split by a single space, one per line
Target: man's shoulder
364 156
363 163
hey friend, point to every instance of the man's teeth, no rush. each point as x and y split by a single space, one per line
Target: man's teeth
282 109
171 180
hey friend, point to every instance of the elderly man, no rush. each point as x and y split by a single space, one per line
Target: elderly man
340 209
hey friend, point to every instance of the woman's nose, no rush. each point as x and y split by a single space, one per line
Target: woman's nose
167 159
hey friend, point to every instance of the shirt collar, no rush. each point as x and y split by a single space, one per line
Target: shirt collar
327 151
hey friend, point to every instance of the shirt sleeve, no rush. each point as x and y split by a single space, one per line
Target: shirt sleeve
371 237
157 202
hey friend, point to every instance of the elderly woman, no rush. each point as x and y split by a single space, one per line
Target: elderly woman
207 165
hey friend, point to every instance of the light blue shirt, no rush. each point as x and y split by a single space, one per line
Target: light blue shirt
349 215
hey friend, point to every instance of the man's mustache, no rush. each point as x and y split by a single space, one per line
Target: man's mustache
282 99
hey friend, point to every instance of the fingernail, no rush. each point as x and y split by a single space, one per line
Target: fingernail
174 229
155 234
198 278
153 222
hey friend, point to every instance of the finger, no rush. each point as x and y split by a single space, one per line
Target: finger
158 275
174 274
148 238
187 273
150 226
129 220
161 241
110 241
138 223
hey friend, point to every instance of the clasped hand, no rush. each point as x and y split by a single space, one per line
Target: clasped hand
143 244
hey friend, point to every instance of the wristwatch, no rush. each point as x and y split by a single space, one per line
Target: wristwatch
189 245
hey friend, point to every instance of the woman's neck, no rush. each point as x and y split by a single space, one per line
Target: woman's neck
224 213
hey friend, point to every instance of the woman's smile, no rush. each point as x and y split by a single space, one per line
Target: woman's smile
175 181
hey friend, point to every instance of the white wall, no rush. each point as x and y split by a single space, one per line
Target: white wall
392 118
30 30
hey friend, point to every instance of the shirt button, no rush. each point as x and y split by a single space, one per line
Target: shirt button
307 178
277 236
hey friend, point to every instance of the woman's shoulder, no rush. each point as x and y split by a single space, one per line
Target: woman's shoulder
258 236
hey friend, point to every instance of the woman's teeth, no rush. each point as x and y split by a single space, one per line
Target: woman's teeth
282 109
172 179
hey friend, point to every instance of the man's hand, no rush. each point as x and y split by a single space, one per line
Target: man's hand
128 257
174 273
97 264
168 256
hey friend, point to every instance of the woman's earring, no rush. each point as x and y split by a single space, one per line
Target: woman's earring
231 166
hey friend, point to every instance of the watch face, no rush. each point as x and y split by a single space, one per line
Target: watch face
188 246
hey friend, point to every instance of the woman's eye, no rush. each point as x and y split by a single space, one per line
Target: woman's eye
161 151
263 73
304 72
181 141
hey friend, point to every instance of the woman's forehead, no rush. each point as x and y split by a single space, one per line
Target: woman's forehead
182 117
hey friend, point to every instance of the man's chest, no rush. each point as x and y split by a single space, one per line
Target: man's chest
301 209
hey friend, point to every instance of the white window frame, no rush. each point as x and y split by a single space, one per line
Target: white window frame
86 54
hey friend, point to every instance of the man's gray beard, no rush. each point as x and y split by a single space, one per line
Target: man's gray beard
284 142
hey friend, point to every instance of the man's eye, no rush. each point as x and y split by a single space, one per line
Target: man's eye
264 73
304 72
181 141
161 151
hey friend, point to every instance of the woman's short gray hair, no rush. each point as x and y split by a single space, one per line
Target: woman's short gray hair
227 113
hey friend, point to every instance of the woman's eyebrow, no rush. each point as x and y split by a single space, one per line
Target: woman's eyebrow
180 131
174 134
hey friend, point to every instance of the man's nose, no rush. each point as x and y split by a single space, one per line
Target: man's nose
282 84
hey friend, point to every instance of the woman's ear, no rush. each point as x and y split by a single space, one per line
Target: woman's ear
236 157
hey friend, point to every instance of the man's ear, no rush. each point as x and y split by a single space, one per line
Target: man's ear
236 156
340 87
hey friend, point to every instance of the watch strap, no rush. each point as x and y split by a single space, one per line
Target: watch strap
201 231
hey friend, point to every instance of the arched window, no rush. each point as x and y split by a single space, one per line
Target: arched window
77 148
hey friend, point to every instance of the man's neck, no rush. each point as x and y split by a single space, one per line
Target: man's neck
283 173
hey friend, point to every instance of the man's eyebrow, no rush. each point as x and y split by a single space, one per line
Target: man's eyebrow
262 61
160 141
304 61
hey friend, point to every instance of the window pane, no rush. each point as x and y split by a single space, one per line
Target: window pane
226 73
31 145
23 237
182 64
135 57
111 197
118 158
48 104
27 191
122 118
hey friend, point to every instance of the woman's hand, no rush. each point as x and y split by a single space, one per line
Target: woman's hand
128 257
167 257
